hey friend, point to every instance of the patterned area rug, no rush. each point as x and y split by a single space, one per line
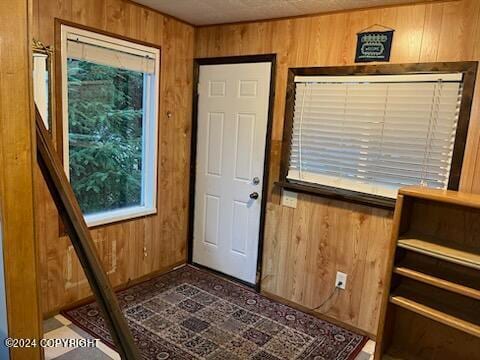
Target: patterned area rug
193 314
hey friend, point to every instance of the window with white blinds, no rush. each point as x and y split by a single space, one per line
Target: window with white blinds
376 133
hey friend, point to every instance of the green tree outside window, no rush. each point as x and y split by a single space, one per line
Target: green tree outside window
105 126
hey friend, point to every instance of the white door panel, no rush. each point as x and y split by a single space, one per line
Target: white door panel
232 125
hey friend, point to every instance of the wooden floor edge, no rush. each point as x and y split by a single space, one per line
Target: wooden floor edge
120 287
318 315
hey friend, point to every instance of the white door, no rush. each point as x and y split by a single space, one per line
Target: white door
232 126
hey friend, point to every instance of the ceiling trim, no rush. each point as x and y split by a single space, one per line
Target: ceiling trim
325 13
160 13
285 17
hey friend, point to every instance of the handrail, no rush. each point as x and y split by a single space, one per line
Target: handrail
69 210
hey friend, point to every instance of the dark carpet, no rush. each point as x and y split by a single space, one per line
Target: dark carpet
193 314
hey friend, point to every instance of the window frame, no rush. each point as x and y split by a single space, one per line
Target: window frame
150 129
467 68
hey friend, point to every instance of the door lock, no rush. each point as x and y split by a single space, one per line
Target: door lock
256 180
254 195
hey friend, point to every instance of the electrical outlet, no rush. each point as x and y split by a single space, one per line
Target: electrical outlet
341 280
289 198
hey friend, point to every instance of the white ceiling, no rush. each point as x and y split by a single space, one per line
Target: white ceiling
206 12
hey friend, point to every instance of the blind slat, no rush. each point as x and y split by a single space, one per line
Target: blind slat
370 163
439 161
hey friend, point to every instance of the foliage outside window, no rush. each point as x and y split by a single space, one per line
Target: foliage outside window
110 129
105 135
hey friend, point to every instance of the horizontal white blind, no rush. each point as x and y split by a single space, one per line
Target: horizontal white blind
375 136
110 54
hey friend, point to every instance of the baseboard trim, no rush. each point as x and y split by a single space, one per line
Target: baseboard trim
120 287
317 314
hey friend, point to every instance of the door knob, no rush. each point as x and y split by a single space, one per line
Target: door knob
254 195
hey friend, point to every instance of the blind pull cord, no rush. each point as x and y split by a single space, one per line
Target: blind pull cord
432 120
342 136
380 151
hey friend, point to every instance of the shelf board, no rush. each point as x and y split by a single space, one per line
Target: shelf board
437 315
445 196
437 282
455 311
457 255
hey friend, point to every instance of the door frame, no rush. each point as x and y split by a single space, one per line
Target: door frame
243 59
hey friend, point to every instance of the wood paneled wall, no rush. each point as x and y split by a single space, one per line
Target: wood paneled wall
304 247
16 178
139 247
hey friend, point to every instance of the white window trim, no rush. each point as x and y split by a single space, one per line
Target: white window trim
150 127
40 86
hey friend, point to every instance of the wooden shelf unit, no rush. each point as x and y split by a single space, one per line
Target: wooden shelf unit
434 281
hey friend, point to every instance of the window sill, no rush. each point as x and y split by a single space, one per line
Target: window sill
340 194
114 216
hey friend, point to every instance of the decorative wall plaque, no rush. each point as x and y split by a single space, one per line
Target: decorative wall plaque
374 46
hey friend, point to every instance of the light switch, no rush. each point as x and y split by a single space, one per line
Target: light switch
289 198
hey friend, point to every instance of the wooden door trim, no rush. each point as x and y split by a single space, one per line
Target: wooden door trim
244 59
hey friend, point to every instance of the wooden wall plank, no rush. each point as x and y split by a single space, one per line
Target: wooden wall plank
16 177
304 247
45 14
374 268
459 24
89 12
431 33
163 236
471 163
118 18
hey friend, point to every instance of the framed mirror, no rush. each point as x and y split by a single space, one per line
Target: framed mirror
43 81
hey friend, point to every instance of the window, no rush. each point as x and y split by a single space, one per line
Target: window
372 134
41 85
110 107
